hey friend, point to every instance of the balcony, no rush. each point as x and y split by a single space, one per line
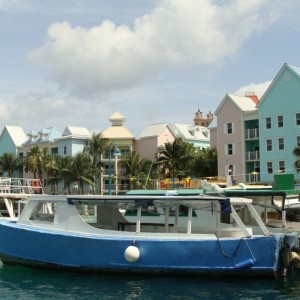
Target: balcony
252 156
251 134
121 172
124 155
116 188
252 177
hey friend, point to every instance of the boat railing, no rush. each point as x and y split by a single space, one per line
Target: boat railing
23 186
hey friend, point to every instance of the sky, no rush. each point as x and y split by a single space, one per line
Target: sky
76 62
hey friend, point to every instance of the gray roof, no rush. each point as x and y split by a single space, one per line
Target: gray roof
76 131
244 103
44 135
191 132
154 130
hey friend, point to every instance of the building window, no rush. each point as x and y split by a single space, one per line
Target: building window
297 118
269 167
230 169
229 149
229 128
281 144
65 149
268 123
281 166
269 144
280 121
298 141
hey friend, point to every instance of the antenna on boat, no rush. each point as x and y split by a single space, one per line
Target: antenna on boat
148 174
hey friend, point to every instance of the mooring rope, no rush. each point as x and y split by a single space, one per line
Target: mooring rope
234 253
237 249
135 237
250 250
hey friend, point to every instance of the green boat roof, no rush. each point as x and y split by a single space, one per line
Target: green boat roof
262 192
180 192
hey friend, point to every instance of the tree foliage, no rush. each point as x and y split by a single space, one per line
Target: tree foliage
53 171
34 161
175 158
80 170
205 163
296 152
181 159
138 170
8 163
95 147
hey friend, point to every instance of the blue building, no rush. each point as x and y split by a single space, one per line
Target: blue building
279 124
255 138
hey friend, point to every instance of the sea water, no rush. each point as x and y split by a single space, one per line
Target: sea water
26 283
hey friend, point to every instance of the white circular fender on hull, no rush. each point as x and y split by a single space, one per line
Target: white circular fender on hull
132 254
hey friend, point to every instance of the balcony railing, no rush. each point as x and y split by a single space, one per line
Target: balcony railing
252 178
123 156
119 187
121 172
252 156
251 134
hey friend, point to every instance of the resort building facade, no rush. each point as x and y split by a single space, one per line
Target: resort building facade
255 139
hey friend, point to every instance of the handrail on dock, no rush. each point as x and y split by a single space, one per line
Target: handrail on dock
21 186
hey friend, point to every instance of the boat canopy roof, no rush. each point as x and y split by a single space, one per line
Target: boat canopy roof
140 200
262 192
166 192
134 201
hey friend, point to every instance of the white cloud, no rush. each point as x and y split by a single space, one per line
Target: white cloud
257 88
88 61
4 111
41 108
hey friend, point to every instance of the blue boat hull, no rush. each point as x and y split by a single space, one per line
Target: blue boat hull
53 249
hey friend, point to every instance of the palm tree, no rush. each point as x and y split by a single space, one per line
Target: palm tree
34 161
80 171
95 147
175 158
8 163
52 168
205 163
137 170
64 165
296 152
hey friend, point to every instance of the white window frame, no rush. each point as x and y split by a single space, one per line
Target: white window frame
280 122
227 127
231 167
271 144
297 117
227 149
268 123
281 144
281 166
269 167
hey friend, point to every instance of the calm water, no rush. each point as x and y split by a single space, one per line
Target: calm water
26 283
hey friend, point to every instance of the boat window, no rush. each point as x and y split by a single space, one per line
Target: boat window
43 212
87 212
146 211
154 211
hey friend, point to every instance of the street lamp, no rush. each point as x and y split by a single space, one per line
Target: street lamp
116 154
